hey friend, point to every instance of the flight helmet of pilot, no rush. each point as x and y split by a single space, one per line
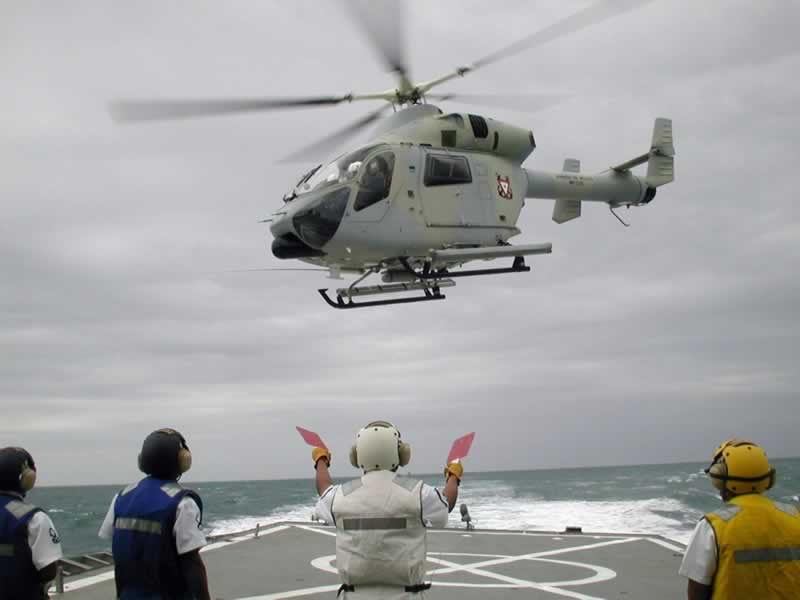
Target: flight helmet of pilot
379 447
17 470
165 455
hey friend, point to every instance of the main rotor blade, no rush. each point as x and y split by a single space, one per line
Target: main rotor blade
600 11
518 102
127 111
383 22
326 145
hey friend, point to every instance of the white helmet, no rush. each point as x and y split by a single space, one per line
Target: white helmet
378 447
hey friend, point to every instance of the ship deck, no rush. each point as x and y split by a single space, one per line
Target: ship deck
297 560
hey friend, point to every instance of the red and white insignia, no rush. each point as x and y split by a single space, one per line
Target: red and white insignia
504 188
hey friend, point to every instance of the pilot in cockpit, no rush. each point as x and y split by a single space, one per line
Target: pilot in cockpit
376 176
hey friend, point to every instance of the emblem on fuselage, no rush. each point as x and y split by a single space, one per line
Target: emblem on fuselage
504 187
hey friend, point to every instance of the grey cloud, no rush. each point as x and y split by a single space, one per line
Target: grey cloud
118 315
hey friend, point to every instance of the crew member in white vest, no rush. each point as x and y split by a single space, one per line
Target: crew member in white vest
381 518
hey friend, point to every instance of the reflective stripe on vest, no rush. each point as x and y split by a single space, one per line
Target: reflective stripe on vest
140 525
767 555
6 550
365 524
726 513
19 509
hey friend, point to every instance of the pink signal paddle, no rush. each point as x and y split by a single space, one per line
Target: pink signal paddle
311 438
461 447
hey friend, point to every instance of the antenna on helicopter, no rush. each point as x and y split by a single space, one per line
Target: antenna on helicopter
613 212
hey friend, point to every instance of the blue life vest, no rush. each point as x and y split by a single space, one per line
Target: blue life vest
19 579
145 554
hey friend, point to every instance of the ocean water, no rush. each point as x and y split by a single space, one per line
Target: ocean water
661 499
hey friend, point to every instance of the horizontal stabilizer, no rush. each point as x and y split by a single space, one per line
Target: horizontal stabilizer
634 162
465 254
566 210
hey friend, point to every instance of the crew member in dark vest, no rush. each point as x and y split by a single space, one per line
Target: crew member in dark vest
750 547
381 518
155 527
29 544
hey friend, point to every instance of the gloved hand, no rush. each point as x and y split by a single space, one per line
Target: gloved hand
318 454
455 469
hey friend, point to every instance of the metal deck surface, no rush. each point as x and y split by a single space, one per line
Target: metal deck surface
296 560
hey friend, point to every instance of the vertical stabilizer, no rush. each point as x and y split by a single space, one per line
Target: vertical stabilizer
661 164
566 210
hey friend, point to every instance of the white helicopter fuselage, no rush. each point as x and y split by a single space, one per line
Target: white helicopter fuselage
463 193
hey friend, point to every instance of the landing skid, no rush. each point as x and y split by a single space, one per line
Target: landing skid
426 280
432 294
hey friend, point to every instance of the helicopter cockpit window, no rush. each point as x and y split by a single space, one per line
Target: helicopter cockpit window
443 169
343 169
376 182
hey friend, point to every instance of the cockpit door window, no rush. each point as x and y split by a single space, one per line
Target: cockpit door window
376 181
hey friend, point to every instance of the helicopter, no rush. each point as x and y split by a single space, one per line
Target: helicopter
431 191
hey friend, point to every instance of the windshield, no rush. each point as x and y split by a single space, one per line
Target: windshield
341 170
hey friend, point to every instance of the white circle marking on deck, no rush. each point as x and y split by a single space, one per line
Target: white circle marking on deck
325 563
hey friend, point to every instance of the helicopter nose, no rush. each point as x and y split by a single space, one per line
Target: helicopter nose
291 246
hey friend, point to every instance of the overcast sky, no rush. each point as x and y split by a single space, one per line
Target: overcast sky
646 344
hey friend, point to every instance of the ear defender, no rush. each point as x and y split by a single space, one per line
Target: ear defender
184 454
184 458
27 477
718 473
404 451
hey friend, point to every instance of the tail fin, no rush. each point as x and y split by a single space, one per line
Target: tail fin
564 209
661 162
660 159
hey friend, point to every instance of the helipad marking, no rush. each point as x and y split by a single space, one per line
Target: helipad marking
600 574
325 563
667 545
500 561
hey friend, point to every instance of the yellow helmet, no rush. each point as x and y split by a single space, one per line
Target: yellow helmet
741 467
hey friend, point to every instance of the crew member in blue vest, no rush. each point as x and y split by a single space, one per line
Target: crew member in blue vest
29 544
155 527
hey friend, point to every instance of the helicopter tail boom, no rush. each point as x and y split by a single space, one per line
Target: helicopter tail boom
616 187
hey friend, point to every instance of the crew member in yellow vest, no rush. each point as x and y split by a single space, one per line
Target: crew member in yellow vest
381 518
750 548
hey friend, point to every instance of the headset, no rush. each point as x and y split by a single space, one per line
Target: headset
403 449
27 472
155 441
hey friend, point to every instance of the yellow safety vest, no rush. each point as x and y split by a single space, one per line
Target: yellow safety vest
758 550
